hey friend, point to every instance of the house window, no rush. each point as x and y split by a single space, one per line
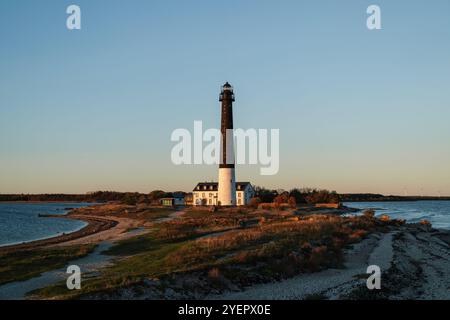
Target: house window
210 201
239 201
203 195
239 195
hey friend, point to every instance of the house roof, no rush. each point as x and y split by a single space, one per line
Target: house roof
213 186
207 186
178 195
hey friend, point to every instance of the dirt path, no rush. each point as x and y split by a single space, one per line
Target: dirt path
172 216
122 229
118 232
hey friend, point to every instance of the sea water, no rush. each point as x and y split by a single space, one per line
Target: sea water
437 212
20 222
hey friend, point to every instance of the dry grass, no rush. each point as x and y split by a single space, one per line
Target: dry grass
286 246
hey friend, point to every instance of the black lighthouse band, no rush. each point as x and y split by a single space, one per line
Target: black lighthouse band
227 98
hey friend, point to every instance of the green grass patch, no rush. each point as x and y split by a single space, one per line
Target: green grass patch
23 265
147 214
125 272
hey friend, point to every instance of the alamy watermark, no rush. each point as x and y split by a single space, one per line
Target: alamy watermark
374 20
252 146
73 21
374 280
74 280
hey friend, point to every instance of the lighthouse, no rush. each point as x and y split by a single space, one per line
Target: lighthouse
226 192
227 179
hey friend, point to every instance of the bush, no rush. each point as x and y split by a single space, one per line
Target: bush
254 202
130 199
216 278
369 213
214 273
323 196
282 198
292 202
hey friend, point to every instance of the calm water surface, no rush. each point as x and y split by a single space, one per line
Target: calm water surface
20 222
437 212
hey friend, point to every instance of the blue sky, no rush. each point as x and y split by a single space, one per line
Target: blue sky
358 110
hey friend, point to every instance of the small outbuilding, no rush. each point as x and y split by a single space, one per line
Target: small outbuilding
173 201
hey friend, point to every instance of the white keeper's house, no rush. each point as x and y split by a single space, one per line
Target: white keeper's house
207 194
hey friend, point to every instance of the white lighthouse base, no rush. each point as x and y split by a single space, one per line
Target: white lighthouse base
227 187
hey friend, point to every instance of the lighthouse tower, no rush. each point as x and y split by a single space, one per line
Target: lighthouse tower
227 180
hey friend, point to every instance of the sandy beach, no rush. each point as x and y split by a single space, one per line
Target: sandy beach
118 231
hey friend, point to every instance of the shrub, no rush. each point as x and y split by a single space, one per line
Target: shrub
317 259
214 273
292 202
254 202
369 213
130 199
282 198
357 235
216 278
323 196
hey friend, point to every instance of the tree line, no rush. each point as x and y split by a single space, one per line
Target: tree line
98 197
299 195
263 195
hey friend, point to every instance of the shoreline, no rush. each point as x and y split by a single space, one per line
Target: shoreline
94 226
35 201
85 224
